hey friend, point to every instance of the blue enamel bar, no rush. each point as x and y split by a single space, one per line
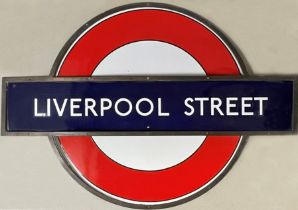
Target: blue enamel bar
148 106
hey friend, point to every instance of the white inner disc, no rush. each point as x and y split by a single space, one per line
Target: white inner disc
149 152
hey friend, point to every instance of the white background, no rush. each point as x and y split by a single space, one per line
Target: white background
33 32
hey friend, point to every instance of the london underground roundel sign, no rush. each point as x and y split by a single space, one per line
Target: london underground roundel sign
146 107
148 171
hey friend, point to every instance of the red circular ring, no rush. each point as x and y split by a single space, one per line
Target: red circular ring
215 58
